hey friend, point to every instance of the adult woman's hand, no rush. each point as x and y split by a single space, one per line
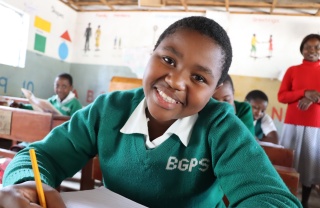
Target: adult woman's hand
312 95
25 195
304 103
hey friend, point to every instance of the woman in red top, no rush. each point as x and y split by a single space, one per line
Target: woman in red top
300 89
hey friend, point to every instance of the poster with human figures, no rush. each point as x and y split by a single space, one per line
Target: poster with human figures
266 45
261 48
125 39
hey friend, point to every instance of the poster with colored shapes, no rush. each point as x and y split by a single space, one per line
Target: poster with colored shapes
42 24
40 43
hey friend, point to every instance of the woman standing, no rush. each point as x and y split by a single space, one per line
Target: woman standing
300 89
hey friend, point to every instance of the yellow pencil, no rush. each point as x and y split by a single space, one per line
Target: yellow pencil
37 178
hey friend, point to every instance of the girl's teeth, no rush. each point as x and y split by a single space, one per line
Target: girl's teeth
166 97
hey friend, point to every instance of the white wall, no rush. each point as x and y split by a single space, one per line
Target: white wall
138 32
61 17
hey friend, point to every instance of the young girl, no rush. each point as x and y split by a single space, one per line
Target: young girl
264 127
225 93
166 145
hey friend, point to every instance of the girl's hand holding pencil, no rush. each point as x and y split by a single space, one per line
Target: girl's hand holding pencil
32 193
25 195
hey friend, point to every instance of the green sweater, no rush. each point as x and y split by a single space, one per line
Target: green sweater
67 109
244 113
222 158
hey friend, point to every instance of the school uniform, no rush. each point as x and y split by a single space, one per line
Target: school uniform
67 107
213 159
244 113
263 126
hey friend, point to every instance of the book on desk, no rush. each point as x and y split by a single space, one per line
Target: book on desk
39 104
98 198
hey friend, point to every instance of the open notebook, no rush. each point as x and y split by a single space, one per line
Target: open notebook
97 198
39 104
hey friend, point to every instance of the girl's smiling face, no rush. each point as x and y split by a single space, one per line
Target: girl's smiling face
182 74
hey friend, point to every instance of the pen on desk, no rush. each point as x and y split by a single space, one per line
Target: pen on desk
37 178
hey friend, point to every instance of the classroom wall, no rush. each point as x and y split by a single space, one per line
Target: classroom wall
127 39
38 75
93 80
54 24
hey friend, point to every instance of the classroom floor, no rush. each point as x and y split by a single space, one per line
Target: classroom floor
314 200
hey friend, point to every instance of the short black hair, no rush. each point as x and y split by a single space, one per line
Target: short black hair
208 27
308 37
66 76
256 94
229 80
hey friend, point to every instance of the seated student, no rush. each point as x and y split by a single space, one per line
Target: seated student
64 100
265 130
167 144
225 93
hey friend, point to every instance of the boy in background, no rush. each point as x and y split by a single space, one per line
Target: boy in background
64 100
265 130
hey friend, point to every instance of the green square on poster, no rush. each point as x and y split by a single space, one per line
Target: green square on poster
40 43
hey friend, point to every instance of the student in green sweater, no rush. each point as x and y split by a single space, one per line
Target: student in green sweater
64 100
225 93
265 129
167 144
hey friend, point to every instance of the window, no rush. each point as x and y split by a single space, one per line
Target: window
14 26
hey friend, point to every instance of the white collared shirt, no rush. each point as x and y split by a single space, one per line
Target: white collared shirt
138 123
70 96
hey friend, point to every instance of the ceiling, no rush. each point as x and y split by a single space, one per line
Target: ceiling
272 7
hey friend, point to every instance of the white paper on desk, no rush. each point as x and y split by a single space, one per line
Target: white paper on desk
269 144
97 198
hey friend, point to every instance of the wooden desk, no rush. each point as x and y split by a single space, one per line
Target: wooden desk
16 99
282 160
28 125
124 83
290 177
280 156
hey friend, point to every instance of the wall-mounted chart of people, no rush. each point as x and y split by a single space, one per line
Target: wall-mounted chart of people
87 36
261 49
270 47
98 34
117 43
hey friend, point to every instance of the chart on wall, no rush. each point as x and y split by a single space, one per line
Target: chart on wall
125 39
267 45
63 49
43 28
51 29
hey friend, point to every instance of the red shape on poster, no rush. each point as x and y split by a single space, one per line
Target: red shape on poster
66 36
